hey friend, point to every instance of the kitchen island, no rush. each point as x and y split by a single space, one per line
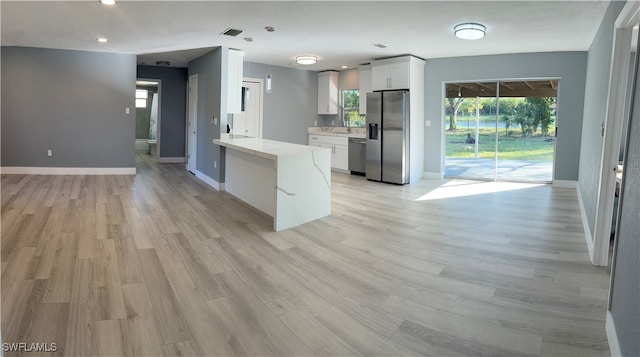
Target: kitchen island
289 182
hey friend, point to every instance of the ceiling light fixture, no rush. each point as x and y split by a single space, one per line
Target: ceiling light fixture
163 63
470 31
306 59
344 67
101 40
108 2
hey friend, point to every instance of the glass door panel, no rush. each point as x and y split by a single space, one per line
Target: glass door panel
526 130
470 130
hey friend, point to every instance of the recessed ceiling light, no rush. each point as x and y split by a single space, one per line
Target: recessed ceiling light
469 31
344 67
108 2
379 45
101 39
306 59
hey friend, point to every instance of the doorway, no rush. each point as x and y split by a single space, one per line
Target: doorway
192 124
501 130
249 121
148 116
613 130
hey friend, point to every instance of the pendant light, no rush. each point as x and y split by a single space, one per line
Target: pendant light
269 29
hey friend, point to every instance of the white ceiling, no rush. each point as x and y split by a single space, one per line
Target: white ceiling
338 32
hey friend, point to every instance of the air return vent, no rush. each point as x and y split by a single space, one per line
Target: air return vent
231 32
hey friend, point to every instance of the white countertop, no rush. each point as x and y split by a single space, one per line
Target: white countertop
344 135
338 131
265 148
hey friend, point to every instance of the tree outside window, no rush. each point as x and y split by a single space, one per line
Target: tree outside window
351 109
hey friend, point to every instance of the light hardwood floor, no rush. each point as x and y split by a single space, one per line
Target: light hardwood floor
161 264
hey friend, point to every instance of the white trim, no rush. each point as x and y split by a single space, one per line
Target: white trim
612 336
171 160
209 181
565 184
19 170
433 175
585 225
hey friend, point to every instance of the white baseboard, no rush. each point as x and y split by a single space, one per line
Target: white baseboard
19 170
612 336
585 225
432 175
171 160
565 183
209 181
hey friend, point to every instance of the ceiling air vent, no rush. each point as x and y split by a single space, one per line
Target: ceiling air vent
231 32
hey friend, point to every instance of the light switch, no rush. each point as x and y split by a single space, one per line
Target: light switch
127 110
427 123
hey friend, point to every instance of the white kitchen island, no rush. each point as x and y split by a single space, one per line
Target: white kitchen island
289 182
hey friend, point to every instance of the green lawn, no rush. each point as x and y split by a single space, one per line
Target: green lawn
513 147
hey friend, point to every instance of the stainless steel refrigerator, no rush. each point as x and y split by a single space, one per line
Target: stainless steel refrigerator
387 124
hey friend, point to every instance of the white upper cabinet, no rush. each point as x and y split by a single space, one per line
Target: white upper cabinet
234 81
364 80
328 92
394 75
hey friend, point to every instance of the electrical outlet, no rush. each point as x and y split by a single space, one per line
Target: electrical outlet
215 164
214 121
127 110
333 122
427 123
49 152
315 123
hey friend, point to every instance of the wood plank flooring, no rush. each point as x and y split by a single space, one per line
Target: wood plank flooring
161 264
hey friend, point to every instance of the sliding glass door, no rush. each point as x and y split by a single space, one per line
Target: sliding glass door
500 130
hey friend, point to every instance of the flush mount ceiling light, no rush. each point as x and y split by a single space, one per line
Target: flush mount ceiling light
108 2
469 31
102 40
306 59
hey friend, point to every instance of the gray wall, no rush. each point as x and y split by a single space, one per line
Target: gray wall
173 107
209 70
292 105
625 289
595 107
72 102
568 66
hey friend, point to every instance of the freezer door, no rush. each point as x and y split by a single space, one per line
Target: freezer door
395 139
374 136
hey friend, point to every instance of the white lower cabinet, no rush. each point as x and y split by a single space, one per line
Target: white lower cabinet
339 147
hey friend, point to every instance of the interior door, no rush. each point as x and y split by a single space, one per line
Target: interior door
192 137
253 113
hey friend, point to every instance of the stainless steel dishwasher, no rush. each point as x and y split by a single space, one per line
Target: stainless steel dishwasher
357 155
